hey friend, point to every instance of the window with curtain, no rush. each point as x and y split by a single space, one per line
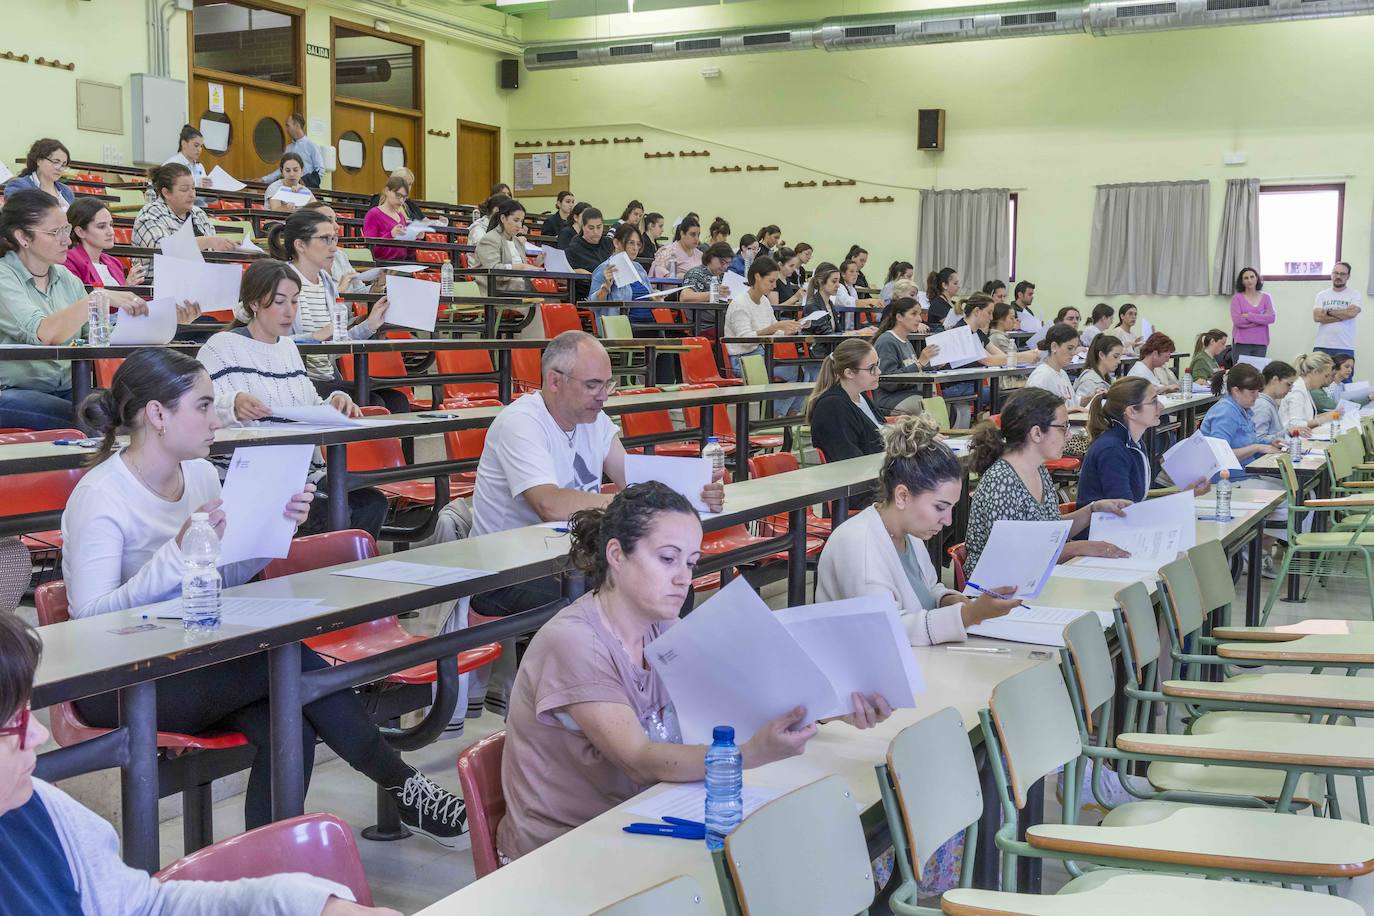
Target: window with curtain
969 230
1300 230
1149 238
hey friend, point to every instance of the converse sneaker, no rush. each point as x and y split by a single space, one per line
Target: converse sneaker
429 809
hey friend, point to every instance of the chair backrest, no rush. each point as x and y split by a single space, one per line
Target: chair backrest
1142 629
698 365
958 556
525 368
1181 599
458 362
374 454
50 600
801 853
680 896
1213 571
617 327
1035 726
318 844
559 317
380 364
318 551
936 408
755 370
1085 643
479 775
1289 478
935 780
105 370
771 463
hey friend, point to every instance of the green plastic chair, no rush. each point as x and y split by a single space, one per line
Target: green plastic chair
358 256
680 896
936 408
1213 570
617 327
802 853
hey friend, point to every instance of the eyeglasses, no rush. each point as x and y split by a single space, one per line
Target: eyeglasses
20 728
54 234
59 163
1063 427
591 386
327 239
873 368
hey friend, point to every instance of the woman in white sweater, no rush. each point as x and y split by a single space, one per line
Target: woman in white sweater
257 370
122 532
1296 410
881 551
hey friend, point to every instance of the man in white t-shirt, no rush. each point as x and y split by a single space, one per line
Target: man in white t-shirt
543 460
1334 312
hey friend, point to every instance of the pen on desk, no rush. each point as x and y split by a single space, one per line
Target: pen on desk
982 650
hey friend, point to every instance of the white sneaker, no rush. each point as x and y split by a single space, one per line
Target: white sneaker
1112 791
1267 569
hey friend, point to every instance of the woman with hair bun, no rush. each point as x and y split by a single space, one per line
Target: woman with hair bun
591 724
881 551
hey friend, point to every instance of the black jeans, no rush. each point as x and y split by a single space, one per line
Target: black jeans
233 696
366 511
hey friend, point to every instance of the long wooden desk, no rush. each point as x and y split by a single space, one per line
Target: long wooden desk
991 375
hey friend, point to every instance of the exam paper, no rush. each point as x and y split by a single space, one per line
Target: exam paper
860 645
1080 570
687 800
215 134
1021 554
1153 531
1259 362
414 303
625 272
214 286
413 573
221 180
688 476
817 315
294 198
1146 329
1029 322
733 283
248 246
1038 626
182 244
5 173
958 347
371 274
556 260
252 612
261 481
1356 390
1350 414
1197 458
413 230
315 415
156 328
663 293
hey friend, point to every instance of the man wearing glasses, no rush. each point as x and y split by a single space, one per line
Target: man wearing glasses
1334 312
543 460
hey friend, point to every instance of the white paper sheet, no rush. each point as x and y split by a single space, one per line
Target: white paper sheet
154 329
350 154
216 135
294 198
243 611
414 230
5 173
1020 554
261 481
555 260
687 800
1038 626
221 180
316 415
860 645
214 286
413 573
371 274
182 244
107 279
1357 390
688 476
1153 531
958 347
1029 322
1146 329
732 662
733 284
663 293
1197 458
248 246
625 272
1033 342
414 303
393 158
817 315
1259 362
1350 414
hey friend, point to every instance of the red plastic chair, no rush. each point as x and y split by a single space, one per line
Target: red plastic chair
559 317
105 370
41 491
385 454
699 366
466 362
651 422
784 463
460 445
333 548
479 776
526 373
723 427
958 556
317 844
124 235
384 365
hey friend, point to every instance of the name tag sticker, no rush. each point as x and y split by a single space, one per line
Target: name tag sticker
136 628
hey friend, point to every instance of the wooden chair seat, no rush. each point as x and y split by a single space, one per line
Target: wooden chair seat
1292 631
1305 690
1266 742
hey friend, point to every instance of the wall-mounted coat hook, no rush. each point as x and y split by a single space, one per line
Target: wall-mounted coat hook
562 143
439 133
726 168
668 155
840 183
54 63
593 142
876 200
525 144
627 139
762 168
19 58
798 184
694 152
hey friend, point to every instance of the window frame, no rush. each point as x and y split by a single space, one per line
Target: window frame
1014 202
297 87
1339 188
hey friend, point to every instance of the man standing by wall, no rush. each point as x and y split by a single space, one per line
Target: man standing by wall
1334 312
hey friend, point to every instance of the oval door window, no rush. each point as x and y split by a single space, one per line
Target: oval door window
351 151
393 156
269 140
217 132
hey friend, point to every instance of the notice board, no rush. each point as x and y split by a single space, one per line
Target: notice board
543 173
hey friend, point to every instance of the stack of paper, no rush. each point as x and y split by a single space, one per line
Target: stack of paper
1198 458
1038 626
1019 554
412 573
316 415
688 800
244 611
414 230
1356 391
733 661
688 476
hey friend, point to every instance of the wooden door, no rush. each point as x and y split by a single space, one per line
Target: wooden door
200 111
479 160
264 130
396 138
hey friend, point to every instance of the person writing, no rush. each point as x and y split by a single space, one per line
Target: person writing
896 354
1278 378
292 168
1153 364
1104 356
122 529
1298 410
44 166
751 315
714 260
881 552
388 220
844 421
88 258
1013 482
591 723
1252 313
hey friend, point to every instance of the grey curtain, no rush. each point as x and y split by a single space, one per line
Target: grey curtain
1149 237
1238 241
966 230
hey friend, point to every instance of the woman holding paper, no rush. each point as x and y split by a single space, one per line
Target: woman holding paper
1127 319
848 294
1298 409
122 528
591 724
1013 482
173 206
882 551
41 302
292 179
1252 313
1343 366
92 238
258 369
605 288
388 220
824 297
896 354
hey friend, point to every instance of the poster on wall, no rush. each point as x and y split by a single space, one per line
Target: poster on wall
524 174
542 169
560 164
350 154
216 97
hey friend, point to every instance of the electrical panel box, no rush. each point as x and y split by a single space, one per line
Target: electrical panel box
159 112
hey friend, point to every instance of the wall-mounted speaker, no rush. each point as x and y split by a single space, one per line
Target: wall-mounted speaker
510 73
930 129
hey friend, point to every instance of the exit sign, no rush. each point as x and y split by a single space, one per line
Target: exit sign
317 51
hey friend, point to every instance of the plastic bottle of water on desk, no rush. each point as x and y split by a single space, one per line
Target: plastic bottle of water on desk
338 318
716 454
1294 445
446 279
1187 385
200 580
724 787
98 317
1223 491
715 289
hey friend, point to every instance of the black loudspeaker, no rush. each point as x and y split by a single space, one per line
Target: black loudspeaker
930 129
510 73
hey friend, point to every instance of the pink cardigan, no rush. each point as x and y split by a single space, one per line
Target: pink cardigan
377 225
79 263
1250 323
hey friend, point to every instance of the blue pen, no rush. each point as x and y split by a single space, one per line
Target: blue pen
79 443
986 591
668 830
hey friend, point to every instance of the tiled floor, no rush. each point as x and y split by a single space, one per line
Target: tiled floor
412 873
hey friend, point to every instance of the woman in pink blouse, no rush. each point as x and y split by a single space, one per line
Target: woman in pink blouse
388 220
683 254
92 237
1252 311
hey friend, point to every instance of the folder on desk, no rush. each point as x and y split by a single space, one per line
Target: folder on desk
1020 554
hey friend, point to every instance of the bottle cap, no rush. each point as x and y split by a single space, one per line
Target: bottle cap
710 439
200 516
1225 475
723 733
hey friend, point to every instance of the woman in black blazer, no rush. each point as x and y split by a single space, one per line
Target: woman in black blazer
845 423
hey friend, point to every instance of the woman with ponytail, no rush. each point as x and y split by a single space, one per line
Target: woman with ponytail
822 294
591 723
896 354
1298 409
844 420
881 552
941 287
1117 465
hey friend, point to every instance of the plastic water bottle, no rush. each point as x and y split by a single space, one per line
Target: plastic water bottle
713 451
1223 489
1335 427
1294 445
200 580
98 317
724 787
1187 382
338 318
672 265
715 289
446 279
